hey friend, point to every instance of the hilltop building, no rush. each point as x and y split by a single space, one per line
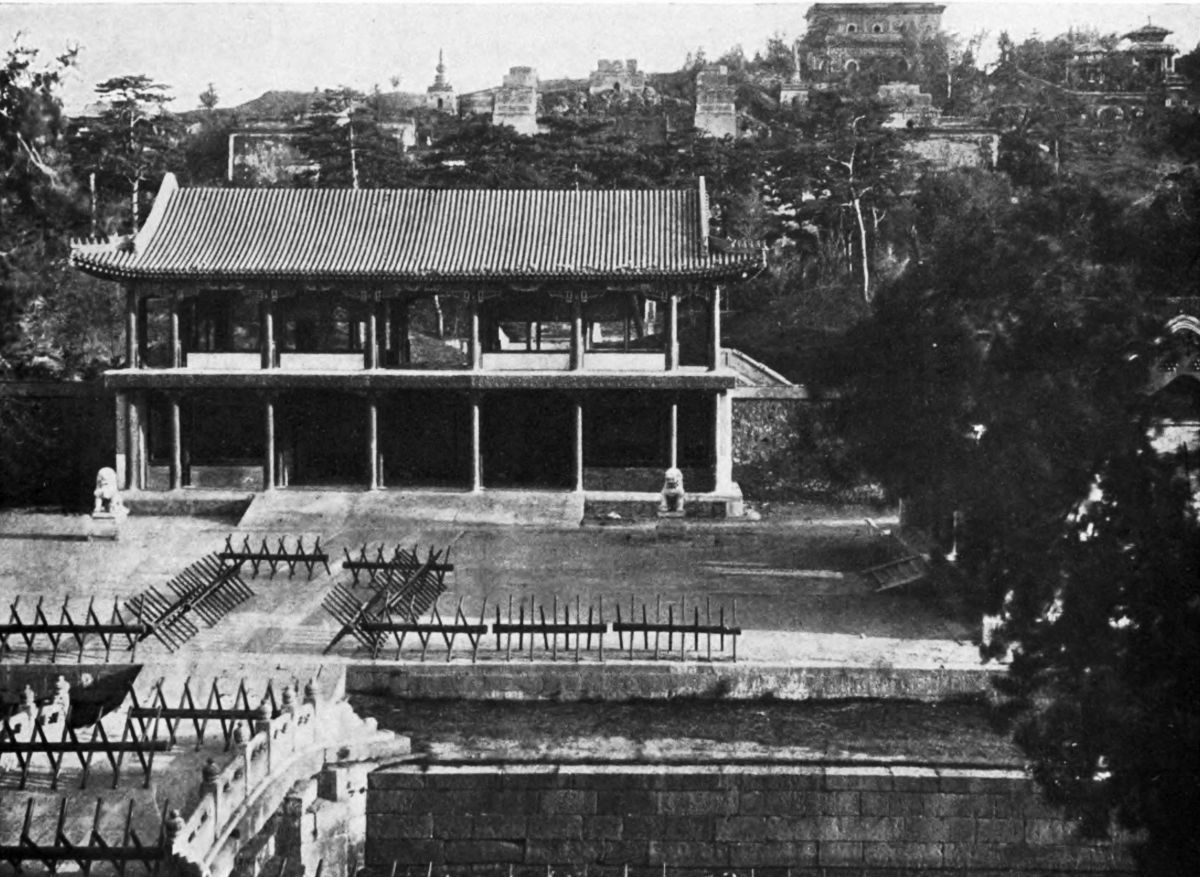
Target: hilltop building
440 95
268 340
1142 58
618 76
1149 51
516 103
853 36
716 107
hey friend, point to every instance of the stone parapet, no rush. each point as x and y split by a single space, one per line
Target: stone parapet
541 680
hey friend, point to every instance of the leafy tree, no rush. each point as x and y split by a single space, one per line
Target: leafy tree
1106 679
1188 65
38 197
209 98
778 59
202 157
1001 377
346 139
131 143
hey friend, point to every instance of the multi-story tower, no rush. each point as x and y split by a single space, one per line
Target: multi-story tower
440 95
852 36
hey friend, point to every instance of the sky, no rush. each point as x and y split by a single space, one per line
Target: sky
245 49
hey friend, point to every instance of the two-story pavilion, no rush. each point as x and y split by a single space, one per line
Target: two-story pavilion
268 341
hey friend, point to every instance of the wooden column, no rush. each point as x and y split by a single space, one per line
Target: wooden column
714 329
371 337
673 435
143 331
373 442
121 463
476 444
723 442
176 443
266 343
176 341
405 346
131 326
577 404
385 332
269 444
576 333
474 348
672 333
137 441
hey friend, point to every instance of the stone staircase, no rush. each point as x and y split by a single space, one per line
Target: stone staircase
329 511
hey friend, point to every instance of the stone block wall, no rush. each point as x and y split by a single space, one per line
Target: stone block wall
798 819
621 680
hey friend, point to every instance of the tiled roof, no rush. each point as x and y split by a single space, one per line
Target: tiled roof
417 235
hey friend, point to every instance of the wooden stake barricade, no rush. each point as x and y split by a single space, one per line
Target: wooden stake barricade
677 627
95 849
95 742
214 710
262 556
425 631
560 629
380 561
536 625
400 590
68 635
207 589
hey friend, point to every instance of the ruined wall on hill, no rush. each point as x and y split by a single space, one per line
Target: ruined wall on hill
799 820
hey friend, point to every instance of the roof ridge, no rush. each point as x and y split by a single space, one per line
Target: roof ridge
444 234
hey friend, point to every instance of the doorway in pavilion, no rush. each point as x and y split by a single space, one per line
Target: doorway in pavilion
425 439
323 437
528 440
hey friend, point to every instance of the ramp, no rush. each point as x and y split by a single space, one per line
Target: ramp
295 510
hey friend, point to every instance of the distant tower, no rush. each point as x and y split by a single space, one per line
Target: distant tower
440 95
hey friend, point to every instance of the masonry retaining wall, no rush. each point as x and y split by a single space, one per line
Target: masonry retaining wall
620 680
783 819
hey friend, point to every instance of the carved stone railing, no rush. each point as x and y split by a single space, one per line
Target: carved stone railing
237 800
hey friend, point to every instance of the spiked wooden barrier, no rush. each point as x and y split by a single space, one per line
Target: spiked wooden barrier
262 556
677 626
559 629
425 631
61 850
94 742
400 589
54 638
536 625
207 589
375 563
215 710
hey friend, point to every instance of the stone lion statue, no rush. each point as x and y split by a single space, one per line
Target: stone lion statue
672 493
108 497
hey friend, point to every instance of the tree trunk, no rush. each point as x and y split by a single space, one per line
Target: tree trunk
133 202
862 241
441 318
92 190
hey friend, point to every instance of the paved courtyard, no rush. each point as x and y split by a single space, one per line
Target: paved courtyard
795 585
